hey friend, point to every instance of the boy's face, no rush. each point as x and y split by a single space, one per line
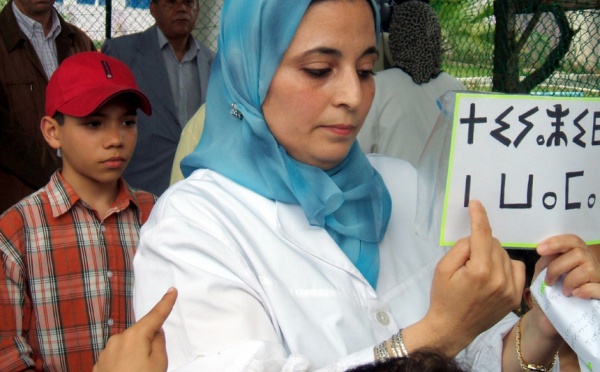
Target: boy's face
97 148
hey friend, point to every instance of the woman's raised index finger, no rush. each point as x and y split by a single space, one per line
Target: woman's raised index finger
481 231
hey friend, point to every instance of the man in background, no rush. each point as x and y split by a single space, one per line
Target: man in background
34 40
172 69
405 107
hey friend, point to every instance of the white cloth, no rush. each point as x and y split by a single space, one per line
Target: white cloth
403 114
261 290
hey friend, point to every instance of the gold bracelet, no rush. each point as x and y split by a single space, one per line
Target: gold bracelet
530 367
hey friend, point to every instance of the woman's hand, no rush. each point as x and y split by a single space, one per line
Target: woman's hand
568 255
565 256
475 285
142 346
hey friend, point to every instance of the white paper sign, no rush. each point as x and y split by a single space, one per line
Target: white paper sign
575 319
534 163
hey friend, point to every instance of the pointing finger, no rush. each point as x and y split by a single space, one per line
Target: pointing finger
152 322
481 231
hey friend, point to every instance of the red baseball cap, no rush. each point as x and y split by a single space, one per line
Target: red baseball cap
85 81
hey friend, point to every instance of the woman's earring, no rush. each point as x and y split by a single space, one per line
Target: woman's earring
59 153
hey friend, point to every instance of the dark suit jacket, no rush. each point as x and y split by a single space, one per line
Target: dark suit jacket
158 134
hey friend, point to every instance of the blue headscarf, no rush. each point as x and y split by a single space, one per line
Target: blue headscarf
350 201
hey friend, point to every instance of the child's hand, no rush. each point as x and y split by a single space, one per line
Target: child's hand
142 346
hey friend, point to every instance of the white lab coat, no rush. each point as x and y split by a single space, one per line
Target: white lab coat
262 290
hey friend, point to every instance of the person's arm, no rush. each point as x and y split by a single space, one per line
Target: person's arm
142 346
196 247
190 137
223 319
15 306
477 267
484 260
476 280
20 154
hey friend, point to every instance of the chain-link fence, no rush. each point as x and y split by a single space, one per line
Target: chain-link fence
540 46
521 46
102 19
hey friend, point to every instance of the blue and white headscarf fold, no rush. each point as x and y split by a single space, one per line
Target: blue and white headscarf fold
350 201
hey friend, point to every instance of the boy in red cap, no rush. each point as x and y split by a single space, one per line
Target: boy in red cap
66 250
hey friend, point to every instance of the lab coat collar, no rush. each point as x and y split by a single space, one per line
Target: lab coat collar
294 226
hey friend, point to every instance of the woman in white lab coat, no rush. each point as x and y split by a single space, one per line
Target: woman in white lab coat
289 248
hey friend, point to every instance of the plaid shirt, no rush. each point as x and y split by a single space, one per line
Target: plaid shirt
67 279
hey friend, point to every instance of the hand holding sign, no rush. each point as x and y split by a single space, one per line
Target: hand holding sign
557 314
479 272
577 320
569 258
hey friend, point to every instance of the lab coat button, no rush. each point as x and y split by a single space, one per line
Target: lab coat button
382 318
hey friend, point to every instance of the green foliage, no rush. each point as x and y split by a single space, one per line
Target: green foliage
468 36
468 28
